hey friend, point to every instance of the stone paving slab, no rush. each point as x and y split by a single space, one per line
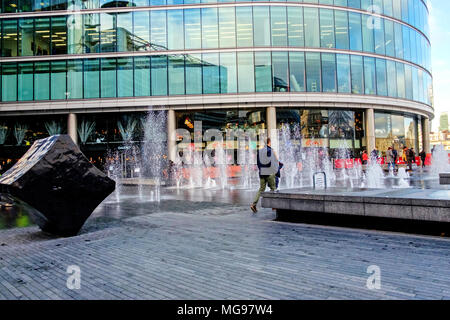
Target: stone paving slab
220 252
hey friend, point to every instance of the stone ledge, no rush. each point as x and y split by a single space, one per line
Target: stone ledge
428 205
444 178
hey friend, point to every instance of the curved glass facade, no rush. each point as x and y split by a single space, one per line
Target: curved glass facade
413 12
214 73
186 51
355 60
210 28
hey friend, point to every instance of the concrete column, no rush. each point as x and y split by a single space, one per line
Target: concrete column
370 129
271 123
426 135
171 135
72 127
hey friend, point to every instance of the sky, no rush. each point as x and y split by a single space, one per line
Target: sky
440 54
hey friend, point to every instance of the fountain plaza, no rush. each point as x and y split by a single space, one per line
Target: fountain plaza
185 231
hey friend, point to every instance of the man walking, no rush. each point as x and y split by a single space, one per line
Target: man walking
268 167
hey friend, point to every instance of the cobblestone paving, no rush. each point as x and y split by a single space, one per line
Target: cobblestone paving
218 251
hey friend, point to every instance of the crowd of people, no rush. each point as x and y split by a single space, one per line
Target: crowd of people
408 156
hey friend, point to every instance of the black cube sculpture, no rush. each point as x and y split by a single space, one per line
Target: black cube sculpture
58 181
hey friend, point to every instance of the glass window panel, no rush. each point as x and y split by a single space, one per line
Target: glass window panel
381 77
74 79
343 73
391 78
342 33
75 43
328 72
311 18
124 77
58 80
389 38
142 76
408 82
354 4
369 76
263 72
406 43
296 36
387 8
41 81
108 78
193 36
279 26
158 29
211 73
141 31
297 71
42 36
327 28
41 5
9 81
341 125
379 38
367 33
401 90
91 38
9 38
10 6
398 128
210 28
244 17
25 82
89 4
194 74
261 17
59 35
125 35
108 32
227 31
356 63
415 82
159 75
355 31
383 125
398 40
246 72
91 79
176 75
280 71
228 73
26 37
175 29
313 72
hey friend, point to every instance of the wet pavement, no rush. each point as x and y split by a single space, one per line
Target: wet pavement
216 249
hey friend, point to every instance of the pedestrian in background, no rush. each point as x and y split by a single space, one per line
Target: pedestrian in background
390 158
423 156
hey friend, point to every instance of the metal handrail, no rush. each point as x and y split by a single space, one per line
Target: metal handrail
324 176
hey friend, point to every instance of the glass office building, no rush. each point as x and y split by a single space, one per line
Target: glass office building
354 70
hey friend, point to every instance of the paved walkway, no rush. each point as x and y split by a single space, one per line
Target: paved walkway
218 251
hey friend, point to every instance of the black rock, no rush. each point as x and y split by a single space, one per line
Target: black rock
59 182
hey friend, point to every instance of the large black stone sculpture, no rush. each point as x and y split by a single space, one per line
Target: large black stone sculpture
59 182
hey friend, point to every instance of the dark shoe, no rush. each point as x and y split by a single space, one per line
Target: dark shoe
253 207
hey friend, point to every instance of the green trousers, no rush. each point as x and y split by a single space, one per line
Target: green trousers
263 182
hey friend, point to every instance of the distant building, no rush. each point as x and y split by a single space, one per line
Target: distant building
441 137
443 122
